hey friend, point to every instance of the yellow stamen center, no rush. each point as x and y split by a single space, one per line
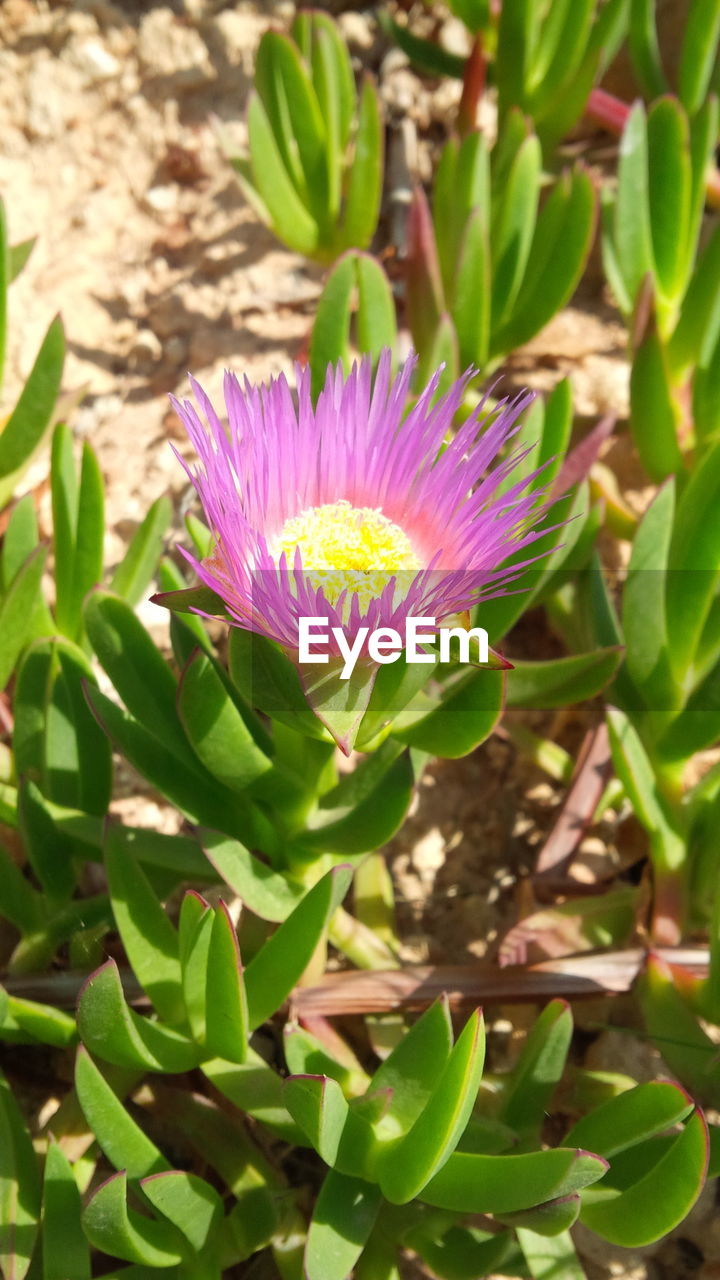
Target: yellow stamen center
346 548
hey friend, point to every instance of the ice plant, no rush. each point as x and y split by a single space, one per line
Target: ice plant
350 511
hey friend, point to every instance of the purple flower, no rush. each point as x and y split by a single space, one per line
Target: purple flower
350 510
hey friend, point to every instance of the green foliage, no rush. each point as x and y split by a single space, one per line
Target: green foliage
494 263
314 168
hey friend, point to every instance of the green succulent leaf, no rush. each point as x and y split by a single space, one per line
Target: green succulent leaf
66 1254
366 807
470 1183
215 728
148 937
17 612
699 53
364 183
117 1134
137 567
226 1014
641 1209
20 1193
277 966
188 1202
644 48
339 1134
458 720
25 429
561 681
344 1216
538 1070
123 1233
118 1035
631 1117
550 1259
407 1166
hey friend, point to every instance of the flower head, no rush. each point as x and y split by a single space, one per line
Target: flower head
351 510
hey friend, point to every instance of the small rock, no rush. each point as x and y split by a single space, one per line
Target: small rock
234 36
162 199
92 59
168 49
54 92
146 351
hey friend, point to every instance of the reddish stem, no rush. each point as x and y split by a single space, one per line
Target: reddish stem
473 87
607 110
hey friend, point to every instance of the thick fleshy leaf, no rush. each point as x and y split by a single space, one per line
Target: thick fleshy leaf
561 243
457 721
195 928
188 1202
19 540
632 235
631 1117
366 807
267 894
644 48
647 648
699 53
461 1253
79 528
149 939
344 1216
136 667
268 680
550 1219
471 1183
538 1070
289 217
117 1134
424 288
408 1165
550 1259
66 1254
513 226
471 292
339 701
32 415
283 82
277 966
17 611
669 194
646 1207
119 1035
226 1015
56 740
635 771
110 1226
19 1189
362 202
137 567
216 730
694 561
686 1047
38 1023
342 1136
561 681
410 1072
192 788
255 1088
654 411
